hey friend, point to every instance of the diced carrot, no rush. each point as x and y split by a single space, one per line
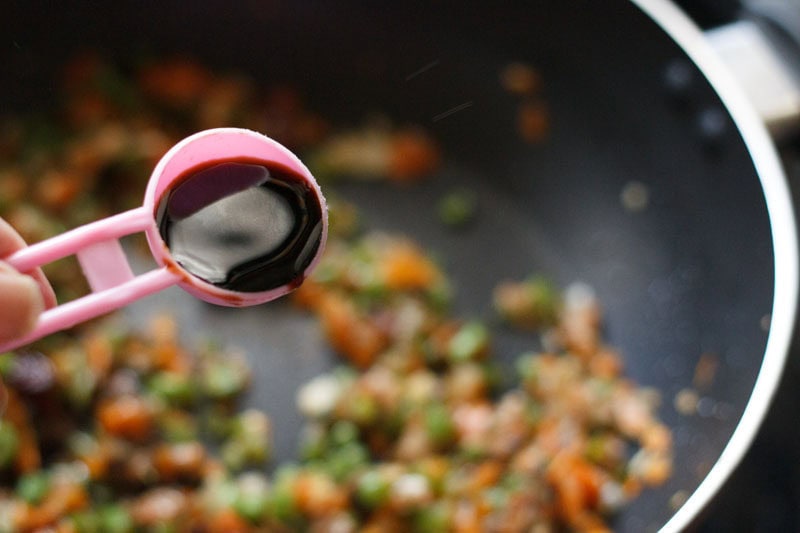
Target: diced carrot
62 499
97 464
160 506
172 357
309 294
28 457
129 417
657 438
705 371
57 189
179 461
353 336
576 483
533 121
383 522
88 109
99 354
163 329
13 186
405 267
466 518
413 155
588 522
168 354
485 475
317 495
227 521
520 79
176 82
606 364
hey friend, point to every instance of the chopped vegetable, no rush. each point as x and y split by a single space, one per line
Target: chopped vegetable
112 430
457 208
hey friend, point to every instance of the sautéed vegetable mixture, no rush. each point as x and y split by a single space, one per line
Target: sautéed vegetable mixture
111 430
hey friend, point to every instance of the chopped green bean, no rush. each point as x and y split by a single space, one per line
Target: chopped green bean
9 443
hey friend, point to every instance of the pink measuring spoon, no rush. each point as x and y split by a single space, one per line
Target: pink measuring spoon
230 216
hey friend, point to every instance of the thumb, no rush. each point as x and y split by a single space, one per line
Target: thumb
21 303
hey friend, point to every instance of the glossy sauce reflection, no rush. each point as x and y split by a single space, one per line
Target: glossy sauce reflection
242 225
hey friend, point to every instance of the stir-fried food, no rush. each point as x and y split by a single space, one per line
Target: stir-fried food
418 428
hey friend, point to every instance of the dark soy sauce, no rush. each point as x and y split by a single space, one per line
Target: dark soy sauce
242 225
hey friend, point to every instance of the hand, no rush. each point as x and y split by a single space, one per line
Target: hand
22 297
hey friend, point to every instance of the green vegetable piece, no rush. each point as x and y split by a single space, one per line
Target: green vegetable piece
346 460
364 409
33 487
6 363
469 342
251 429
373 489
440 296
496 497
252 507
252 499
223 494
178 426
343 432
163 527
234 455
526 367
223 379
545 299
219 421
439 425
87 522
457 208
343 219
281 504
115 519
313 442
9 443
172 387
82 381
432 518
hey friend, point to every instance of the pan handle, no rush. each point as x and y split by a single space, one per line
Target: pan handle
762 49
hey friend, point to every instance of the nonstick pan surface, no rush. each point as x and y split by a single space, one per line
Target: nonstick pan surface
694 273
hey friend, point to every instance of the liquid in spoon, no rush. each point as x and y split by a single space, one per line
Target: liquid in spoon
242 225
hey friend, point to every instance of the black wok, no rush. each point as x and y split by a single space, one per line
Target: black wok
701 270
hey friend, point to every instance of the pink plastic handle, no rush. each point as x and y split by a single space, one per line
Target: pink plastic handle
103 261
104 265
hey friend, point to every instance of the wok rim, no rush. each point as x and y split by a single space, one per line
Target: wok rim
780 210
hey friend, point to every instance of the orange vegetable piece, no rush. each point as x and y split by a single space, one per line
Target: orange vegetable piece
412 155
176 82
486 474
606 363
179 461
62 499
309 294
129 417
28 455
533 121
57 189
576 483
227 521
317 495
99 354
405 267
353 336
